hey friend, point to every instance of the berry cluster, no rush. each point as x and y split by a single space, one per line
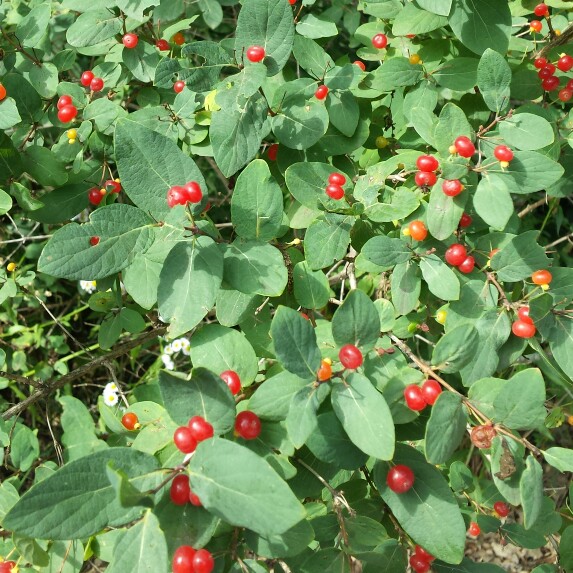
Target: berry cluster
523 327
67 111
549 81
418 397
421 560
189 193
189 560
457 256
89 80
96 194
72 135
426 174
334 188
181 493
187 437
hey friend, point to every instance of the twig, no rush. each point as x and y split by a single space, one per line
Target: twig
532 207
558 241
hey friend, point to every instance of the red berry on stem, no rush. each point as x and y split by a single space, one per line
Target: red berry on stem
550 84
232 380
64 101
431 389
465 220
350 356
541 10
540 63
112 186
86 78
565 62
523 314
456 254
162 45
467 265
503 153
501 508
95 195
464 146
292 2
96 85
335 191
256 53
247 425
380 41
179 491
193 192
200 428
414 397
203 562
425 178
360 64
337 179
273 151
400 479
185 440
418 230
419 564
130 40
569 85
130 421
427 163
67 113
194 499
474 529
183 559
452 187
542 277
535 26
565 94
321 92
421 552
178 86
176 195
546 71
94 241
179 38
523 329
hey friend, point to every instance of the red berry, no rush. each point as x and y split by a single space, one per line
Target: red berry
96 85
565 63
535 26
193 192
569 85
414 397
179 38
178 86
130 421
95 195
550 84
464 146
256 54
474 529
232 380
541 10
67 113
185 440
425 178
421 552
523 314
203 562
467 265
162 45
501 508
546 71
431 389
400 479
64 101
321 92
503 153
465 220
179 492
94 241
292 2
350 356
130 40
176 195
452 187
419 564
273 151
183 559
456 254
86 78
7 566
565 94
200 428
337 179
112 186
540 63
541 277
523 329
247 425
380 41
194 499
335 191
360 64
418 230
427 163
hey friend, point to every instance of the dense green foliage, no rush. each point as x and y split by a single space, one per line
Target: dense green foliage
114 301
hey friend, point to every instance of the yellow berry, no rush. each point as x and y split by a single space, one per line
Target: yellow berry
72 133
414 59
441 316
381 142
544 287
557 32
11 267
452 149
570 420
406 231
327 360
117 180
71 141
504 164
102 191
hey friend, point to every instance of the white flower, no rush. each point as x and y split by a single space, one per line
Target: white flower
110 387
176 345
168 350
167 362
186 350
185 344
110 398
170 366
88 286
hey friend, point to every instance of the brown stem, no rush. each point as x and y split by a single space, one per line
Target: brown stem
532 207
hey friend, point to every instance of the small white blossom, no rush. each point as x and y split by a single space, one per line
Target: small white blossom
110 398
168 350
167 362
186 350
110 387
176 345
88 286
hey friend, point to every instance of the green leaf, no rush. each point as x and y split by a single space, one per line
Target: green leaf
62 204
429 506
124 231
93 27
560 458
444 213
395 73
327 239
412 20
34 25
493 202
257 203
127 494
9 115
272 398
49 509
301 419
240 487
10 161
531 491
526 131
440 278
44 79
566 549
312 26
561 342
233 307
44 166
149 164
451 124
468 566
311 57
295 344
441 7
356 321
494 80
365 416
266 23
455 349
520 405
459 74
445 428
205 395
218 348
254 267
530 171
188 283
394 205
5 202
405 286
311 288
386 252
481 25
343 112
519 258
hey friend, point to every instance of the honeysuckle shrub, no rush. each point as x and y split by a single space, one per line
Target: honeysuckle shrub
321 224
